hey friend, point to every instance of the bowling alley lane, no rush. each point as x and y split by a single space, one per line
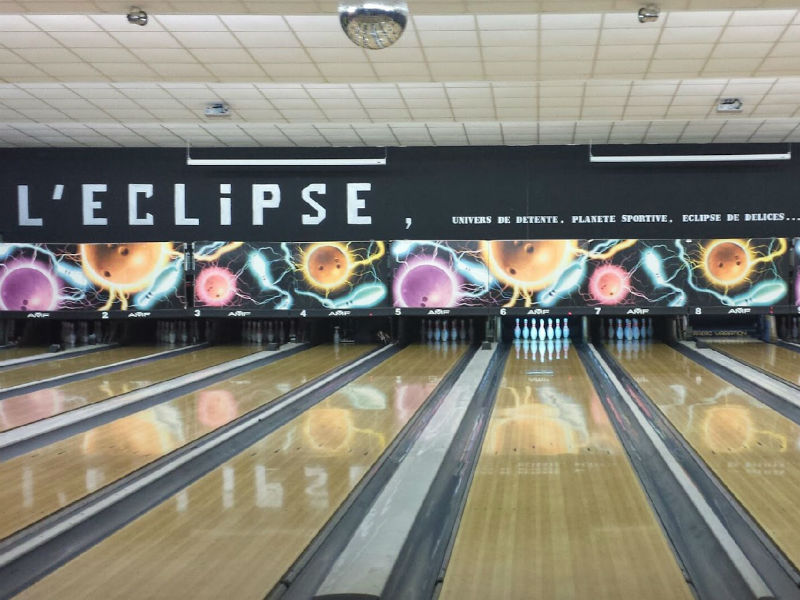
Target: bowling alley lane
781 362
64 366
234 532
555 509
754 450
38 483
41 404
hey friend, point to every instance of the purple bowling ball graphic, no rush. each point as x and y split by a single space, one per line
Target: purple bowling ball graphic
425 282
28 286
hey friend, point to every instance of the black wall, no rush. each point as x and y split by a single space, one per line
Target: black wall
417 195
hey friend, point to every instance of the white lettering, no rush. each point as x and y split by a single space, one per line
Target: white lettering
314 188
260 200
134 189
355 204
90 205
180 207
24 210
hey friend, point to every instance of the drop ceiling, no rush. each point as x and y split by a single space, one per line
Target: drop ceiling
464 73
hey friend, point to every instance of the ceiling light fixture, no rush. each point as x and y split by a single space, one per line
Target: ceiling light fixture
690 158
374 25
136 16
217 109
648 13
730 105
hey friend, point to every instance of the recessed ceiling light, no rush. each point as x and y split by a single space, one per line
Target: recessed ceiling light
217 109
374 25
648 14
730 105
136 16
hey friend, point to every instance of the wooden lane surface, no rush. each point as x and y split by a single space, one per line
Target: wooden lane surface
47 402
754 450
64 366
37 484
781 362
234 532
23 352
555 509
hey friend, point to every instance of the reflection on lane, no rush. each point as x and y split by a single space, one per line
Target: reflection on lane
235 531
754 450
71 364
65 471
555 509
30 407
779 361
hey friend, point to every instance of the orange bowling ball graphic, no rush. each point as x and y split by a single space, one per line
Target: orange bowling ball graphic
528 264
727 262
327 265
124 267
215 408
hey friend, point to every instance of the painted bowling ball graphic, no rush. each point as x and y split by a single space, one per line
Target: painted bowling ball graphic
609 284
124 267
528 264
428 285
215 286
727 262
327 265
27 286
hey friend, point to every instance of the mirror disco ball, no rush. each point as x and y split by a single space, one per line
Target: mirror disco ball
374 25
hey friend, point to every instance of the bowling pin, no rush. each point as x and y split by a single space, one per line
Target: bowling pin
430 330
649 328
620 333
270 332
534 331
437 333
454 331
635 331
445 331
558 329
517 345
628 330
550 331
517 330
610 335
542 331
173 335
336 336
565 331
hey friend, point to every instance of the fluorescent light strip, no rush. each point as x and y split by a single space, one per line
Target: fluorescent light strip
690 158
284 162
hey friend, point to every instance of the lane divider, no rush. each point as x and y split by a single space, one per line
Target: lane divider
205 445
110 366
740 561
60 421
771 383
